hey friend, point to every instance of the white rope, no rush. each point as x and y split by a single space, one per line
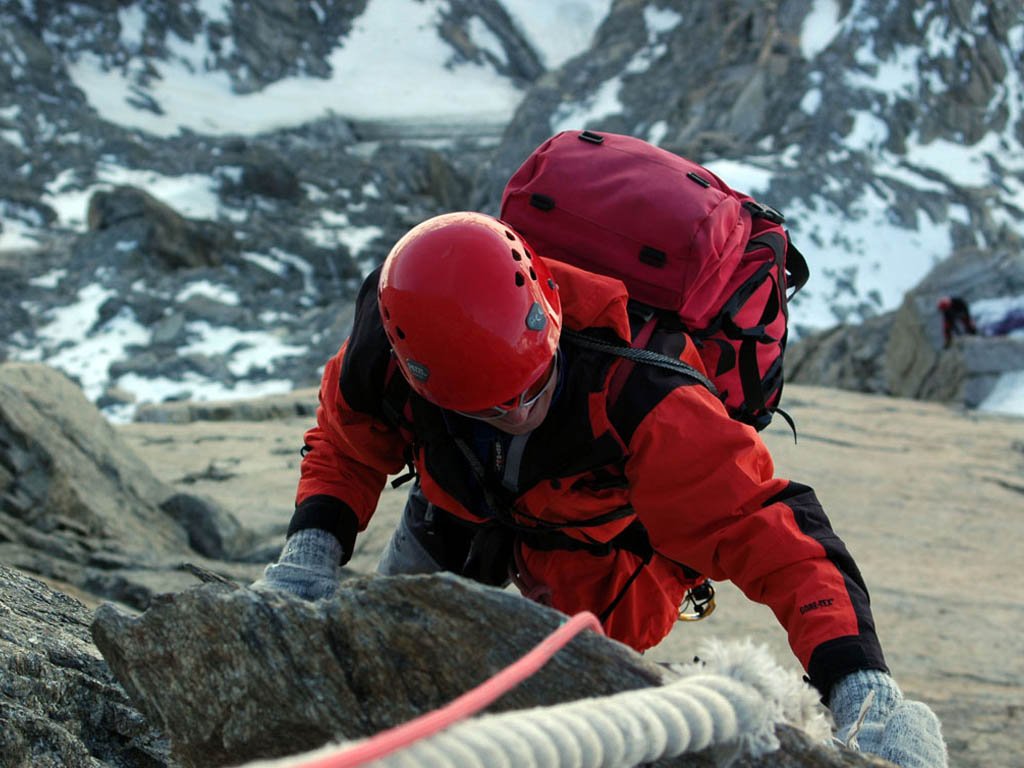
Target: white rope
626 729
730 702
704 709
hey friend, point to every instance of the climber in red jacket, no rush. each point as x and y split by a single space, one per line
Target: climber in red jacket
956 319
457 366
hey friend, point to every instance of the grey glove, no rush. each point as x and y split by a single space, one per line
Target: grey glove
904 732
308 566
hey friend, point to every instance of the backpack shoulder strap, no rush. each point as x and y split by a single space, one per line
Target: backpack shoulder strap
397 407
395 401
796 266
638 355
641 338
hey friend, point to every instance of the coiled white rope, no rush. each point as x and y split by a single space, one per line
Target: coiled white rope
730 702
625 729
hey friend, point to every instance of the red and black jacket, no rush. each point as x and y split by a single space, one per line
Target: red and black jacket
664 460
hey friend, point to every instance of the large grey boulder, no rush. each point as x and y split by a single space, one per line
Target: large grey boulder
133 215
76 505
60 706
234 675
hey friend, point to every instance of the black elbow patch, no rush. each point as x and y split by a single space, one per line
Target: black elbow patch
834 659
807 511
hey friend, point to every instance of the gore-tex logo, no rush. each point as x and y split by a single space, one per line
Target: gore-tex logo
807 607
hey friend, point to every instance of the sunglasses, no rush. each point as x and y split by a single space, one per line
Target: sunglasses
526 399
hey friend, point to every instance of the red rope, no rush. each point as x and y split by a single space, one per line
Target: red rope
469 703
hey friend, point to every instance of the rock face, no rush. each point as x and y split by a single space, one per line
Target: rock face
901 353
850 357
78 506
233 675
59 703
243 675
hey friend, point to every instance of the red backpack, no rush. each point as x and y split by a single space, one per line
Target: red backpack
690 250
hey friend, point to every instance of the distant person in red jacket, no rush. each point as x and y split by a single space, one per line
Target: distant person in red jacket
956 318
457 366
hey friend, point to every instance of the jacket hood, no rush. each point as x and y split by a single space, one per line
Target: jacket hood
590 300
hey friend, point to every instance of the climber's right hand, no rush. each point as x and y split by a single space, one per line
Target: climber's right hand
872 716
308 566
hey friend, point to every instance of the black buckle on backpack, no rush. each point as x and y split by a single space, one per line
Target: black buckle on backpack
699 179
759 211
653 257
542 202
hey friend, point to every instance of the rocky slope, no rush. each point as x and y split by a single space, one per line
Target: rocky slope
899 120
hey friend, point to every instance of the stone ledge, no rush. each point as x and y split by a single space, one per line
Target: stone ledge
302 402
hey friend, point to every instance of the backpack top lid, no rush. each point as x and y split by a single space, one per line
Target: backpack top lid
667 227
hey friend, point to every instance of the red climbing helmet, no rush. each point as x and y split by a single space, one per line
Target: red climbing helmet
944 303
472 314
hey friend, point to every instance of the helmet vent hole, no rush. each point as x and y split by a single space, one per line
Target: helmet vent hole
387 315
517 255
533 275
520 280
399 332
510 236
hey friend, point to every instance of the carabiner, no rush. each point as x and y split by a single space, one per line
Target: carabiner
701 602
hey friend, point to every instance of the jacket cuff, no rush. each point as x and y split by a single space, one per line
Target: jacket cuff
850 692
327 513
835 659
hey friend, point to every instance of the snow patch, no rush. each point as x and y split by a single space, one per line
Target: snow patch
392 66
741 176
1007 396
73 342
558 29
588 113
246 351
820 28
50 280
205 288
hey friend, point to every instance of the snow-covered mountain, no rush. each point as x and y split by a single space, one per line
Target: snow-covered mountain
300 138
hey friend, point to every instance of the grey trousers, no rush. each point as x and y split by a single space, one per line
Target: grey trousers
429 539
405 553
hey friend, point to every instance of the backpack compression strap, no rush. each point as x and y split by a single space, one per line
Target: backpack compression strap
645 356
